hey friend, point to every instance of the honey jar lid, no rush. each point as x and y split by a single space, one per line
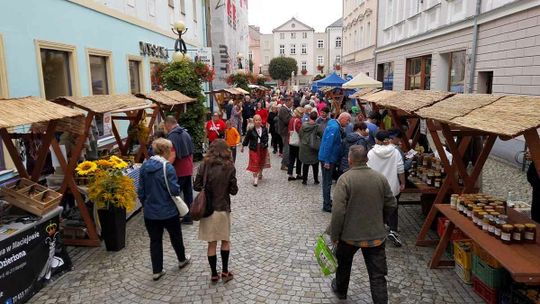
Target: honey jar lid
519 226
530 225
508 226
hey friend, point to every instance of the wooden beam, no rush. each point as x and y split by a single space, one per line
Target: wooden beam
432 215
12 150
457 159
479 163
43 151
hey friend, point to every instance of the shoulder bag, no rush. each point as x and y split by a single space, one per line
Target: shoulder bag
294 138
182 207
200 207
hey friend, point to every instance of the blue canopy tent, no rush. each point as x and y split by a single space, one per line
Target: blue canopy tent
332 80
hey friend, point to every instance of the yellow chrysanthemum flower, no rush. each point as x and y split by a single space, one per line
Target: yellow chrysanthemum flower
86 168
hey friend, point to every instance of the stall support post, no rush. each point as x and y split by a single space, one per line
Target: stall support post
69 181
44 150
12 150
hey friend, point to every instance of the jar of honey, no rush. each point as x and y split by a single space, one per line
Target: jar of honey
506 233
517 233
504 217
529 235
492 225
430 178
475 215
480 220
485 222
437 183
498 227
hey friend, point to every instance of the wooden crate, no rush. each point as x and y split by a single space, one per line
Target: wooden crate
30 196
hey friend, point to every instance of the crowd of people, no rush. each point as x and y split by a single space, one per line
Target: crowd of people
304 131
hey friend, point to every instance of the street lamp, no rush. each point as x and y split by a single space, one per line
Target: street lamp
260 68
180 49
239 57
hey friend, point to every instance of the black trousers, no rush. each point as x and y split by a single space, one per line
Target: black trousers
233 150
277 142
244 124
393 218
375 259
186 188
293 157
155 231
305 171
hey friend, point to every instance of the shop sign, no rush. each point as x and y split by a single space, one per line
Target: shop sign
202 54
152 50
29 259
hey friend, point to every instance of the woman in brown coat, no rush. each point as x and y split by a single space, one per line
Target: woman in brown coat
220 185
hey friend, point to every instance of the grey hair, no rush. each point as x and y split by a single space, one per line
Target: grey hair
357 154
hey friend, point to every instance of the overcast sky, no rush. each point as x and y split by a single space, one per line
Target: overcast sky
269 14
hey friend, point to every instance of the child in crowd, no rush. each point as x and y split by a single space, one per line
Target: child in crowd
232 137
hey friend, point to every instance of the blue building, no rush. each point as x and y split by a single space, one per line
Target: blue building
52 48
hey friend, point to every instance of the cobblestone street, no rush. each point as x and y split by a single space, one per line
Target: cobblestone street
273 234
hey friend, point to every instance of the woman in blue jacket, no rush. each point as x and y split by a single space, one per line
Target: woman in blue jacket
160 211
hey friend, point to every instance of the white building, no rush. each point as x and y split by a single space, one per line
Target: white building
431 45
267 51
320 57
359 36
295 39
334 39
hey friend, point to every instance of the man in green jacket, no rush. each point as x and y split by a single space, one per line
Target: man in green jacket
363 201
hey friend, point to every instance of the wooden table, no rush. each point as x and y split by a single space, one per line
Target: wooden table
522 261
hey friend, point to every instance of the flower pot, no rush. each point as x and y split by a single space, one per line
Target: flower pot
113 227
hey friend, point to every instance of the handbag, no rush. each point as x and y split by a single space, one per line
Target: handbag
325 256
182 207
294 138
200 207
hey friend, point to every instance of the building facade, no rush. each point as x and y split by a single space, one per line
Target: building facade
430 45
254 54
267 51
320 55
360 36
82 47
334 46
229 38
296 39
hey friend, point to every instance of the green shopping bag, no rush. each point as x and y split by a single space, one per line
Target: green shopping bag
325 256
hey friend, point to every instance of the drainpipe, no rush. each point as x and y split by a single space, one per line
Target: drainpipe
375 76
474 48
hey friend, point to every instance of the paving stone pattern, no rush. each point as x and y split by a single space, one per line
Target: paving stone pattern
273 235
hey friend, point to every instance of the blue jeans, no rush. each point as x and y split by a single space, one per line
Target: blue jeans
186 189
327 185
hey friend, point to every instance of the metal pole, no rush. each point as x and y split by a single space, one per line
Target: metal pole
207 7
474 48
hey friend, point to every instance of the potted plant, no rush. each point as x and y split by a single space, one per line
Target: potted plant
320 67
114 194
304 72
338 67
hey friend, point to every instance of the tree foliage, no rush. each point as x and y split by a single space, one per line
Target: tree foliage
281 68
181 76
239 80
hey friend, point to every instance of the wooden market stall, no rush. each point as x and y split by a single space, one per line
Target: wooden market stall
258 91
168 101
223 96
134 110
361 103
457 119
336 95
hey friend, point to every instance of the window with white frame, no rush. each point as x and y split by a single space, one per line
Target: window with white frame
361 37
152 8
320 44
303 66
338 42
183 7
338 58
266 44
293 35
304 35
281 35
304 49
282 49
389 13
320 60
293 49
266 59
194 4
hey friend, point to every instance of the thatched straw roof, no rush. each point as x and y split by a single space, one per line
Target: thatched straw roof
456 106
364 92
28 110
378 96
410 101
103 103
168 98
509 116
242 91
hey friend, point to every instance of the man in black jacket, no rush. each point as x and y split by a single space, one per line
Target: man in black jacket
248 111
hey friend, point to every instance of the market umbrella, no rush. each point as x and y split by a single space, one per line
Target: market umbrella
362 81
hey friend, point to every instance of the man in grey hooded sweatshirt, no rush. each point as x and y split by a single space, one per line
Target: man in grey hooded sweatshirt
386 159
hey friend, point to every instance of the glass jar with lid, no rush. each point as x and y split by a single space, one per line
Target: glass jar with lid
517 233
506 233
529 235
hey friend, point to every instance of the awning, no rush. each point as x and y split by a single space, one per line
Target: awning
362 81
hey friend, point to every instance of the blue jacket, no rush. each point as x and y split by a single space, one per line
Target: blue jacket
330 150
152 191
349 141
